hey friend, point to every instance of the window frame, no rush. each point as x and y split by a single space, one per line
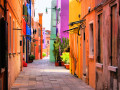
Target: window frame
99 53
10 49
91 55
13 36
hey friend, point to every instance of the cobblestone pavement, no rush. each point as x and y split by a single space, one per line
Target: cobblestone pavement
43 75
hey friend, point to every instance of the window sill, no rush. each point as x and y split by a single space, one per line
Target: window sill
91 56
99 65
112 68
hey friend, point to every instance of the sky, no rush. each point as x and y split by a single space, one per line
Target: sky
40 7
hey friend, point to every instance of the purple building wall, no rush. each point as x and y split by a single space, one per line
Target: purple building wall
44 44
64 18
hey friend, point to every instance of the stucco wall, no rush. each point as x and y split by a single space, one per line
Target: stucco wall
64 18
14 58
74 12
53 30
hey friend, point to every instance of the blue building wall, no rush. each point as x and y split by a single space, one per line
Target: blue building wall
28 31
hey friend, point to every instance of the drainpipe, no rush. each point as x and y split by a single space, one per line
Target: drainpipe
6 47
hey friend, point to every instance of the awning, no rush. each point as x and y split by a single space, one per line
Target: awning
80 24
77 22
71 29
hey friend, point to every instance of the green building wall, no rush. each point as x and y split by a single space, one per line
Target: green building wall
53 29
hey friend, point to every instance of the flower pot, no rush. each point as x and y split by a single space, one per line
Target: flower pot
62 63
30 61
67 66
56 63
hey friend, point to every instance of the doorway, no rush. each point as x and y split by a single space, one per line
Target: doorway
84 59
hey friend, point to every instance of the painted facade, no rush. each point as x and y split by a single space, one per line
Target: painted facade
41 36
82 46
14 19
35 34
107 45
62 15
44 37
87 44
53 29
47 42
94 54
74 12
24 39
28 30
32 27
35 46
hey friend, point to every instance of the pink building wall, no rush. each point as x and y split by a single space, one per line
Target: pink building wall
63 19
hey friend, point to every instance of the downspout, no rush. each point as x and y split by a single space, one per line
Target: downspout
6 47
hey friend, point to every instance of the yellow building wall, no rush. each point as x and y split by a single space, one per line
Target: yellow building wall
74 13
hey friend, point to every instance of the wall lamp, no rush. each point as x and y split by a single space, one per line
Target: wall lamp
53 8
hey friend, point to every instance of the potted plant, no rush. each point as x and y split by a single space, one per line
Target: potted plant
31 58
65 59
56 51
59 46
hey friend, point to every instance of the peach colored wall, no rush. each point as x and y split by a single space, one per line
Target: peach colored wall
14 59
90 62
90 17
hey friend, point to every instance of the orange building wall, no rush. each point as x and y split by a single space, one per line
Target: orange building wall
41 38
14 58
37 42
90 62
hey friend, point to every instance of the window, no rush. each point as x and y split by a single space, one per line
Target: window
39 48
91 40
13 36
34 12
23 45
9 34
39 32
99 60
48 42
113 36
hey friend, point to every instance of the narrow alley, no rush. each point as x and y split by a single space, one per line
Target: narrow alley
43 75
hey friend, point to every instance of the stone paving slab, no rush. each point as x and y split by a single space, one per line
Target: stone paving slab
43 75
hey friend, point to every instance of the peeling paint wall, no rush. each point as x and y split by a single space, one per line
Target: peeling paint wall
107 76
